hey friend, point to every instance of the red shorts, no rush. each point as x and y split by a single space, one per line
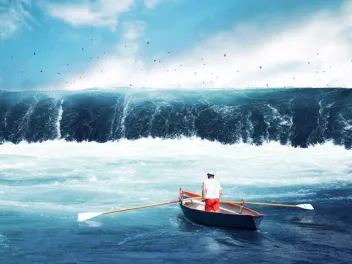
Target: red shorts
212 204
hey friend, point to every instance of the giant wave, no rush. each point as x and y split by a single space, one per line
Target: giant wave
297 117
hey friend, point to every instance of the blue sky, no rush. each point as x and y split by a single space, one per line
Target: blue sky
80 44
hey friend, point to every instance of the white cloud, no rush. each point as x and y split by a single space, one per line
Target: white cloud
100 13
288 57
13 15
152 3
133 30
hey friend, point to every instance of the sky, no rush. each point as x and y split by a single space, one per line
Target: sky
81 44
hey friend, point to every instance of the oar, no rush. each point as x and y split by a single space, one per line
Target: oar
303 206
89 215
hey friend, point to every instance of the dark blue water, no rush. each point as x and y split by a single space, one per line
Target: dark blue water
164 235
298 117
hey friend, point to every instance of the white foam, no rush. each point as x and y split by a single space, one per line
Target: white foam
93 223
78 177
3 241
59 117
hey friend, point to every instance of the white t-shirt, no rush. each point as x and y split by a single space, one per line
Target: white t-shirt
212 188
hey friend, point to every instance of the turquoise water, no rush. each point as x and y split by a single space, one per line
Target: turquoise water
43 186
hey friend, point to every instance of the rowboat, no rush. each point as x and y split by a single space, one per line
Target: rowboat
230 215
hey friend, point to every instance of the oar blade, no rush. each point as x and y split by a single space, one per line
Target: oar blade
305 206
86 216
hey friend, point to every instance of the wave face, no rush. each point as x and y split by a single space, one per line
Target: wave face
297 117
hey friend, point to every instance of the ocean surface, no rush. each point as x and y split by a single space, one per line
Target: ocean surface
63 153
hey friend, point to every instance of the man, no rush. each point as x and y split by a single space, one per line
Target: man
211 192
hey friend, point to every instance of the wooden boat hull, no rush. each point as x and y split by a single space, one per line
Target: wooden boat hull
248 219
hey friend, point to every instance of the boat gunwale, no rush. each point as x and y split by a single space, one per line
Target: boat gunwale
257 214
